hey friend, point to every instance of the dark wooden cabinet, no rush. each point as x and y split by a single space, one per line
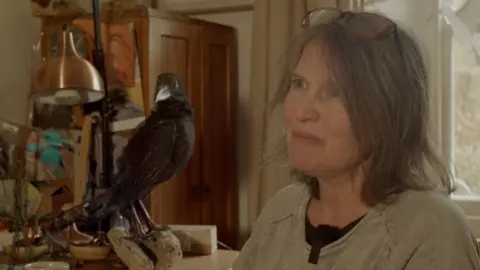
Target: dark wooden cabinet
204 55
219 128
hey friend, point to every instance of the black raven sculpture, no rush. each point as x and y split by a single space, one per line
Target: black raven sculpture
160 148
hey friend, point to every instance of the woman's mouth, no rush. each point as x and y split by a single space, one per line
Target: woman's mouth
306 136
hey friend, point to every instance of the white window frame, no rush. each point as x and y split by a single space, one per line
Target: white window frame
469 204
441 104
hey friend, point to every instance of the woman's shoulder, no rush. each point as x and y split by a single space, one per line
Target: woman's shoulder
430 230
425 211
424 203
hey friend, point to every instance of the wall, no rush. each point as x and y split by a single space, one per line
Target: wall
242 21
19 32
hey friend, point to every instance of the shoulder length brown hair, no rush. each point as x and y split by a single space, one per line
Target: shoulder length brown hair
384 85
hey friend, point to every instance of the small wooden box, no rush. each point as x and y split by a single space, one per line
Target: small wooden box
196 239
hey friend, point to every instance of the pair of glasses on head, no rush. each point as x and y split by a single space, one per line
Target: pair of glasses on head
362 24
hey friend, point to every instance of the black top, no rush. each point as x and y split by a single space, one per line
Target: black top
323 235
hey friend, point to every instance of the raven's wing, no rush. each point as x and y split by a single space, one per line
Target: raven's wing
149 149
140 167
146 155
185 145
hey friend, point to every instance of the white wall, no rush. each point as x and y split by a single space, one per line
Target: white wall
19 31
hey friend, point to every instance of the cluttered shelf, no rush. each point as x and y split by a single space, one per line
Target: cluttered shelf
218 260
198 244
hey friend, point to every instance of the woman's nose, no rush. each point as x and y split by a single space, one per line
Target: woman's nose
306 111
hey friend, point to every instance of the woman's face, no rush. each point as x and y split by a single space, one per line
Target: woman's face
319 135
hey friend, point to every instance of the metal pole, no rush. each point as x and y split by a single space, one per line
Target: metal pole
104 108
99 62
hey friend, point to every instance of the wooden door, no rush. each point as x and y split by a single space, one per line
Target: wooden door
174 46
219 100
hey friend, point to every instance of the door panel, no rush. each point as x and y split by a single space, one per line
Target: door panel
219 131
174 47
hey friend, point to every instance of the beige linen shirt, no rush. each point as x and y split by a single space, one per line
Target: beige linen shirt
421 230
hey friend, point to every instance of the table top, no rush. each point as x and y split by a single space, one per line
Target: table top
219 260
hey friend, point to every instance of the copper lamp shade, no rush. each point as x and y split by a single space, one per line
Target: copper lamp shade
66 78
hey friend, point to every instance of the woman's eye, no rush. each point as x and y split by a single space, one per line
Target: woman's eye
297 83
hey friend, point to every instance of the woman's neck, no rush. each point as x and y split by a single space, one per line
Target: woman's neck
340 202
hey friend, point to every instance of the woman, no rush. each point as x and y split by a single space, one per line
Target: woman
355 107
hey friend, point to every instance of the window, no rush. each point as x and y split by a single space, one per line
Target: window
455 91
465 128
465 71
462 104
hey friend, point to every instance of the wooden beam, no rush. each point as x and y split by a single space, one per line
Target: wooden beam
194 7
